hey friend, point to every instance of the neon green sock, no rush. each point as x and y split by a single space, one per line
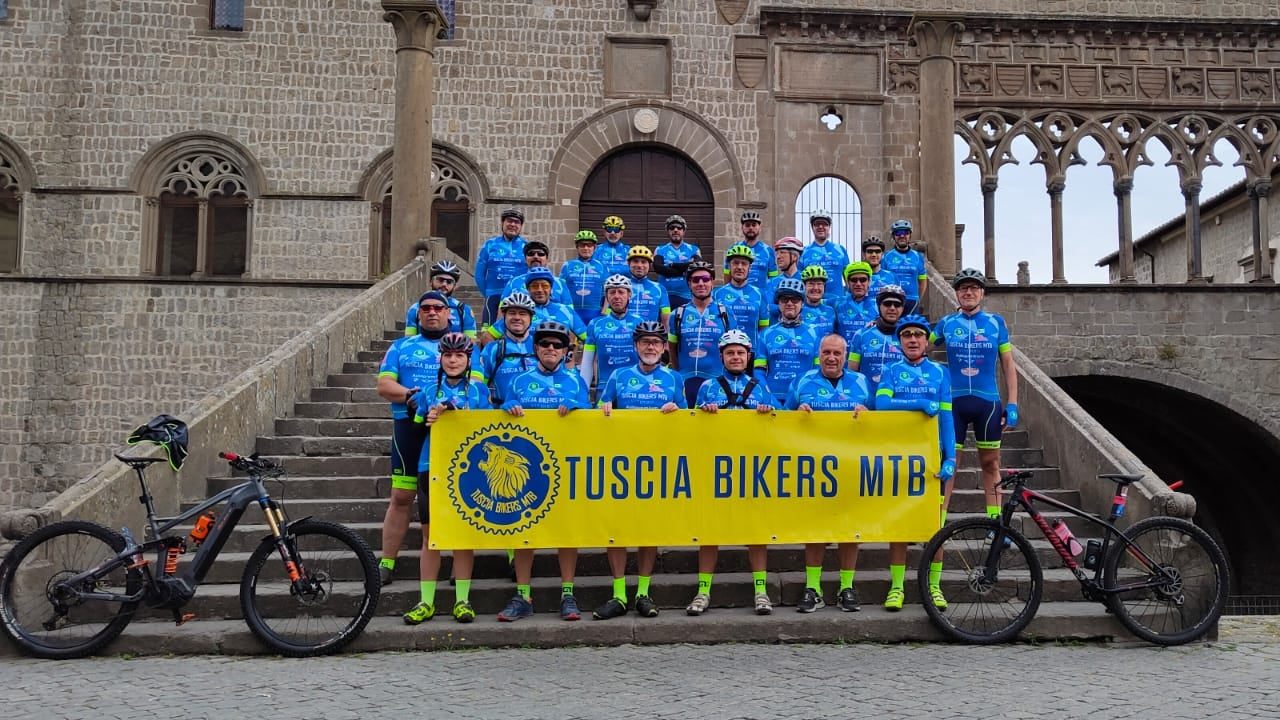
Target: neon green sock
993 511
704 583
935 574
524 592
813 577
760 582
511 556
462 591
620 589
428 591
566 589
846 579
944 517
897 573
642 585
388 563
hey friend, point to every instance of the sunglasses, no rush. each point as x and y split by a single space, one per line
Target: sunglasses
859 279
554 344
699 280
535 253
612 229
789 299
912 334
891 304
444 280
433 308
901 234
873 251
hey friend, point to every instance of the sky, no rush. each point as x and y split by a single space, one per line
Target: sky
1022 209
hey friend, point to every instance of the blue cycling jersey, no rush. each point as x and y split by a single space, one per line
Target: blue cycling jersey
872 350
879 279
559 290
712 392
765 265
671 254
632 388
553 311
974 345
907 269
787 352
613 255
819 392
696 335
772 290
412 362
585 280
832 257
469 395
746 306
853 316
460 319
609 337
821 317
911 386
498 261
648 299
502 361
541 390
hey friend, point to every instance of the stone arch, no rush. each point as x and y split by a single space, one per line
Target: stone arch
851 240
15 166
17 178
146 176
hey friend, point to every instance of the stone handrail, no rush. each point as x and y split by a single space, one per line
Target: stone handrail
232 416
1072 439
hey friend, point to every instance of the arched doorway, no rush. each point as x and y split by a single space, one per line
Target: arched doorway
838 198
644 185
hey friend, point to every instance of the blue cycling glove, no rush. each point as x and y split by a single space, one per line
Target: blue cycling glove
947 471
931 408
1011 415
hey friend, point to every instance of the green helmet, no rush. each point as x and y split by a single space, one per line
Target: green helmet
740 251
814 272
585 236
857 267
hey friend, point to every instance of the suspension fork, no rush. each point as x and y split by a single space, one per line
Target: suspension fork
275 520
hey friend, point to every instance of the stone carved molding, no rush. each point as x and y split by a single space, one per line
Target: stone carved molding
750 57
731 10
204 175
417 23
936 38
16 173
903 79
8 175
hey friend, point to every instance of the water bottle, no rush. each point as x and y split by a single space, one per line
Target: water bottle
1068 539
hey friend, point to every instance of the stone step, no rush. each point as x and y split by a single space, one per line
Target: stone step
342 409
341 394
360 367
380 345
323 446
335 427
353 380
374 356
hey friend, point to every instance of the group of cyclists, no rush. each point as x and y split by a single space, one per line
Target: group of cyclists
792 326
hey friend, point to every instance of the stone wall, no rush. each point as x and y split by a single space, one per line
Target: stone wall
86 361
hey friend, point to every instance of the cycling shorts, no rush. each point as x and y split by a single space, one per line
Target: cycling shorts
424 509
984 415
407 438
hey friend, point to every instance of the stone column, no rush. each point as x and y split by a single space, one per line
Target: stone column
1258 192
1055 188
1124 211
989 228
1195 267
935 38
417 24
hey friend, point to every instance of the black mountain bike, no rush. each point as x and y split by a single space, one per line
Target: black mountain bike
1164 578
71 587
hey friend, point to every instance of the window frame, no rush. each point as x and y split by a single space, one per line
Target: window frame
205 229
213 16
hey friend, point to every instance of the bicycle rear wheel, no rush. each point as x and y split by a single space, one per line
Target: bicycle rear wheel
331 605
42 616
983 607
1188 583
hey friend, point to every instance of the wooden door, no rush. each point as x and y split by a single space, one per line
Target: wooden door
644 185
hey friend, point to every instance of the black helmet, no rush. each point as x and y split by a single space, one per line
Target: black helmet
166 431
532 245
969 275
444 267
699 266
675 221
455 342
873 240
648 328
512 213
551 328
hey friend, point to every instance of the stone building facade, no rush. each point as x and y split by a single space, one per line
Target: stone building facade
184 195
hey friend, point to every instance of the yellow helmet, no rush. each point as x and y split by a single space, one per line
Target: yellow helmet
614 221
640 251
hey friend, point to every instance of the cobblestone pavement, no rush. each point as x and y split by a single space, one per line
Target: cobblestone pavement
1226 679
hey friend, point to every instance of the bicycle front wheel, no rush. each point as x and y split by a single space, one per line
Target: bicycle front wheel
42 613
1178 594
331 603
992 593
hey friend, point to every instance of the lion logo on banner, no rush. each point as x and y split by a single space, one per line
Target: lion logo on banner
503 478
506 470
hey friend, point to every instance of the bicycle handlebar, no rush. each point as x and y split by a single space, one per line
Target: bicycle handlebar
253 462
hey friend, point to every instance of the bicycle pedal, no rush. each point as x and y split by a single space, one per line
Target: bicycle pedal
181 618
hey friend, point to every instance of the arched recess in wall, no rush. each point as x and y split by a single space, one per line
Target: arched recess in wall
1181 432
841 201
199 190
16 180
457 189
672 127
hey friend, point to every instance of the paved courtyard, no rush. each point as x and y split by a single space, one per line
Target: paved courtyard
1234 677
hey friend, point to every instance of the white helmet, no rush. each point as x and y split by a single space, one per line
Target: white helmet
617 281
735 337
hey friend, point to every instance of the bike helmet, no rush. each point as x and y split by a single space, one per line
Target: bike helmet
166 431
857 267
789 286
532 245
817 215
700 266
585 236
750 216
617 281
513 213
916 321
789 243
900 226
740 251
517 300
444 267
455 342
891 291
648 328
640 251
613 221
539 273
814 272
873 240
676 221
735 337
551 328
969 275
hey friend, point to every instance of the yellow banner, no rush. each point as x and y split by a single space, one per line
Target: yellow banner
689 478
